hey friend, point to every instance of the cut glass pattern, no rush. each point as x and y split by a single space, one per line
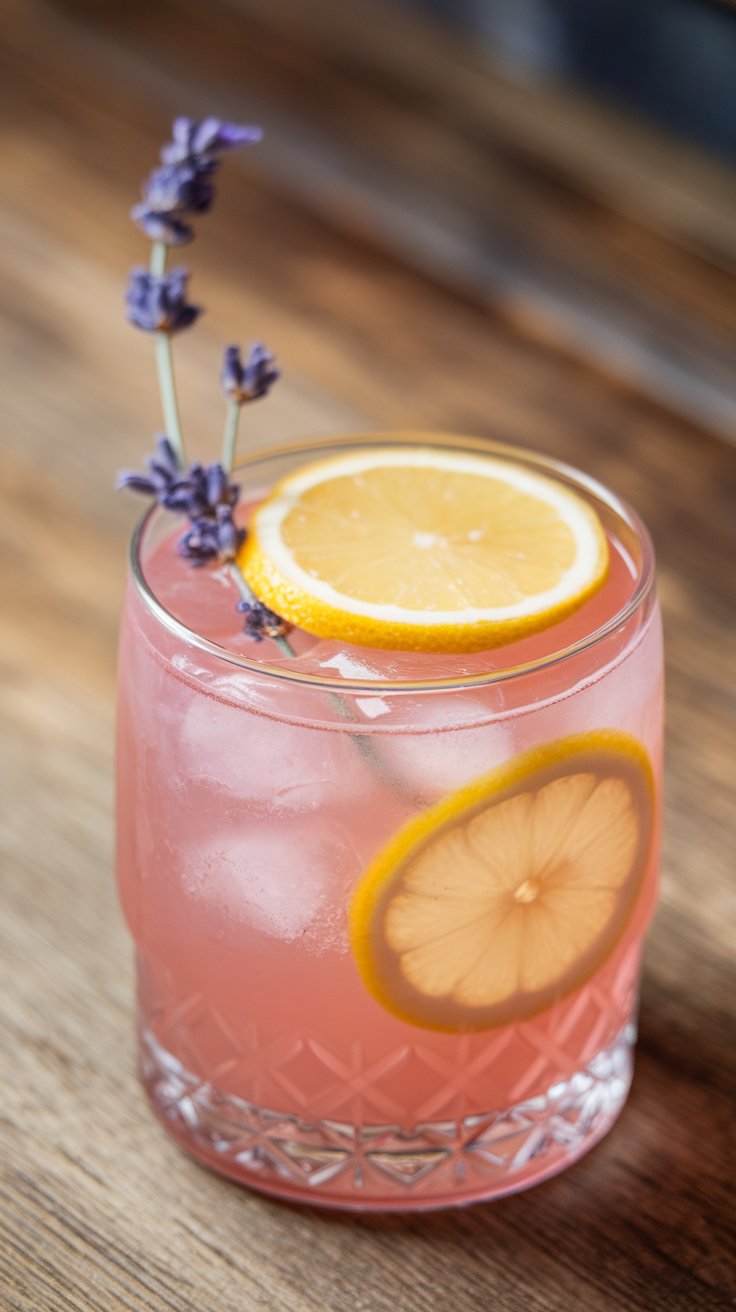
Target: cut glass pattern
360 1163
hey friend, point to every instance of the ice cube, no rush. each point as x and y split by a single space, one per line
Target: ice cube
287 880
441 758
267 761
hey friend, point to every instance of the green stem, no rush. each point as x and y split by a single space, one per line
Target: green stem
167 388
159 252
245 591
230 436
165 367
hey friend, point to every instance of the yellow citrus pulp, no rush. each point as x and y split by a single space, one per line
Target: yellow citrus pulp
423 549
508 895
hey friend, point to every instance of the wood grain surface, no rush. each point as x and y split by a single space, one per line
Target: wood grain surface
98 1210
579 223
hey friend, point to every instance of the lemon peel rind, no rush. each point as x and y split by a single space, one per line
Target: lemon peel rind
614 747
321 610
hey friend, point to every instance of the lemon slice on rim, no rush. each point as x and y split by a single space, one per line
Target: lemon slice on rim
423 549
508 895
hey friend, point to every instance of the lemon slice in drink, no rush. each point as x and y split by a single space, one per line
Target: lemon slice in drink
508 895
423 549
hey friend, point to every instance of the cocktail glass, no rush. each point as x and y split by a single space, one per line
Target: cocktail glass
254 791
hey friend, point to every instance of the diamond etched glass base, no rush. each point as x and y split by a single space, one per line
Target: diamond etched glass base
368 1166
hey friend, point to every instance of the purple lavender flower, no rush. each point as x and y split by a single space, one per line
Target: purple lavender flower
164 479
230 538
182 185
260 622
218 487
199 544
249 381
203 141
158 304
208 490
212 539
170 192
166 228
205 495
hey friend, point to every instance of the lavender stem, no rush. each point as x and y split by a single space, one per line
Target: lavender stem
159 252
245 591
230 436
165 367
364 744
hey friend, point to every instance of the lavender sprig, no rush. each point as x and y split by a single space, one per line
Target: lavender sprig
159 304
260 622
242 383
205 495
182 184
164 479
204 141
252 380
212 539
259 619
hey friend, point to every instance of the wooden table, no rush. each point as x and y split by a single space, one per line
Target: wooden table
98 1210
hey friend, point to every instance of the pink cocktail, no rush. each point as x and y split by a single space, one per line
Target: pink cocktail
255 791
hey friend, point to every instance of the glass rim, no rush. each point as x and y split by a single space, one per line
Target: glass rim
486 446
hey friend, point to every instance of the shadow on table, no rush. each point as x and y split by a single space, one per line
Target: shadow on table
651 1204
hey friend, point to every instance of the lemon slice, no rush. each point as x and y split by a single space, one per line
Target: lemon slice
508 895
420 549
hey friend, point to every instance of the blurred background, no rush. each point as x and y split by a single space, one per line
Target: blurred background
571 166
513 218
671 60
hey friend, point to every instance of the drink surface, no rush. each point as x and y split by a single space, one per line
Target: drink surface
247 821
205 600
